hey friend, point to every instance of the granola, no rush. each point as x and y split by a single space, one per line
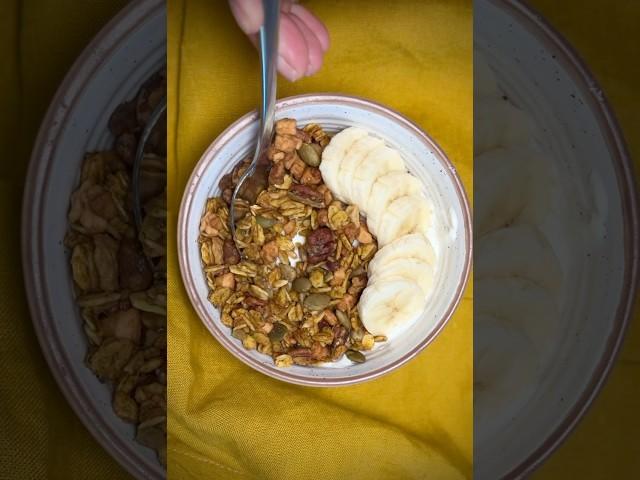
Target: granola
120 274
292 289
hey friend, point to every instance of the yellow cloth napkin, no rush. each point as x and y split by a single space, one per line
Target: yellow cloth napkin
41 438
228 421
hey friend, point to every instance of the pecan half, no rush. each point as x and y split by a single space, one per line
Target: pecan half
307 195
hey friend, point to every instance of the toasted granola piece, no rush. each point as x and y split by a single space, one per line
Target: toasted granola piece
286 126
277 173
310 176
286 143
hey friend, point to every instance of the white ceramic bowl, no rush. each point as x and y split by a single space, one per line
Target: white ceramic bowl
540 73
423 158
110 70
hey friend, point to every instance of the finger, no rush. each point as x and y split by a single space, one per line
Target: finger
314 24
285 5
283 67
248 14
315 52
293 54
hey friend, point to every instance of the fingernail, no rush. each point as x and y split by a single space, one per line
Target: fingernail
287 70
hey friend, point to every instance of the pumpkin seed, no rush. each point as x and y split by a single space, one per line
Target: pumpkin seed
301 284
309 155
288 272
355 356
317 301
344 320
278 332
265 222
317 148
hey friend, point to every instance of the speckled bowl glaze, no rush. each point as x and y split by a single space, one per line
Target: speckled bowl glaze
543 75
110 70
423 158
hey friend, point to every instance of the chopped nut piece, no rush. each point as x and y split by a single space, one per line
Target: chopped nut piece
276 174
286 143
270 251
226 281
125 407
347 303
311 176
338 277
363 235
323 217
351 231
274 155
297 168
289 159
286 126
289 227
122 324
330 317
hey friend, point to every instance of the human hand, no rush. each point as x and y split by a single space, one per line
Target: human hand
303 37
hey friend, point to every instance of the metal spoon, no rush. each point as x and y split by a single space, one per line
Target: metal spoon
255 177
137 161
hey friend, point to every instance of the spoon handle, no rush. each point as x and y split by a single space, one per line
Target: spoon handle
268 61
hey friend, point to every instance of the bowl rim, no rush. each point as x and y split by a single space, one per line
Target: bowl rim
185 214
573 64
82 71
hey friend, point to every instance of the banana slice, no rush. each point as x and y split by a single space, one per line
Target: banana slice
388 305
335 151
412 269
497 123
377 163
518 251
522 304
385 190
415 246
359 150
505 371
404 215
501 188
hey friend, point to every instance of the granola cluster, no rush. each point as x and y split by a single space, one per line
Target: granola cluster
120 274
292 289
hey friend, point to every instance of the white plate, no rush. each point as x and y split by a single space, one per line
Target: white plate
423 158
540 73
110 70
